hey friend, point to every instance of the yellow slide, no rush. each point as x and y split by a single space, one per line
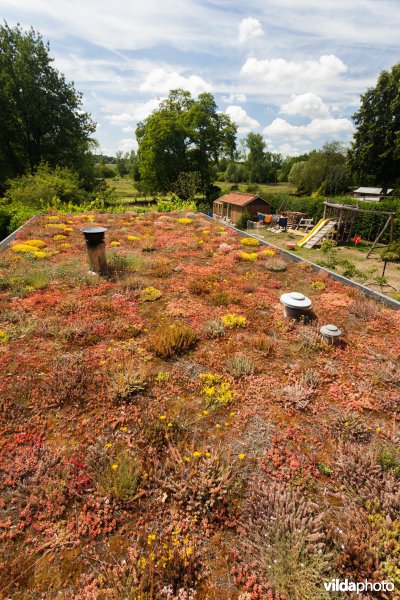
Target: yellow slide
313 231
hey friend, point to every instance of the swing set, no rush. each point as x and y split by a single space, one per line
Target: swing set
346 218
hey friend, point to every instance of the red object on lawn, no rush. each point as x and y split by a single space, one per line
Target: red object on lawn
356 240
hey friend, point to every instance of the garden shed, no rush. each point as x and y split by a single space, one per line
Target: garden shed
372 194
231 206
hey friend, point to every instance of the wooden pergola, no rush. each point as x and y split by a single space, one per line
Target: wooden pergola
346 217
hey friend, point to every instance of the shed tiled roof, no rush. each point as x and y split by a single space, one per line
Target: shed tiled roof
241 199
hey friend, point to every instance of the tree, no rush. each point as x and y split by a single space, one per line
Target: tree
375 153
183 135
255 158
261 166
188 185
296 172
40 118
324 171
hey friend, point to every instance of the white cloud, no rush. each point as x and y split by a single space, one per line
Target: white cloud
306 105
279 128
138 111
127 144
242 119
234 98
286 75
287 149
160 80
249 28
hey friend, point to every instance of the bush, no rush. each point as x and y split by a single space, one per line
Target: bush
207 489
68 381
239 365
119 476
172 340
39 189
244 217
126 384
275 265
286 541
214 329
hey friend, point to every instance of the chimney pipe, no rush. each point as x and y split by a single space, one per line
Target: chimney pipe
96 249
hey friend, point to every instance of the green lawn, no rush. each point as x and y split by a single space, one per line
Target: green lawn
368 271
265 188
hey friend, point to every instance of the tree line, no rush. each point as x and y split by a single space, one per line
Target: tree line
184 145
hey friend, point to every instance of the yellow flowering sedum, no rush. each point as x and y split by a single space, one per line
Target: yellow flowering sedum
268 252
232 320
36 243
3 337
252 256
23 248
150 294
185 220
216 392
250 242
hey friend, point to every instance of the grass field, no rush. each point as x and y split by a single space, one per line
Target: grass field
265 188
367 271
127 195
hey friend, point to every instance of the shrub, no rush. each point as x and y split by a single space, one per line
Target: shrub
275 265
221 298
68 381
147 244
125 384
263 344
39 189
216 392
232 320
119 476
360 473
239 365
318 286
299 394
388 458
214 329
285 539
350 427
171 340
327 246
365 309
244 217
199 287
161 268
202 483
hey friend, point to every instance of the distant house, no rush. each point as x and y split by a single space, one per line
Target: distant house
231 206
371 194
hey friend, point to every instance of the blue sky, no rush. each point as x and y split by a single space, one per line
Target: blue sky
292 70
